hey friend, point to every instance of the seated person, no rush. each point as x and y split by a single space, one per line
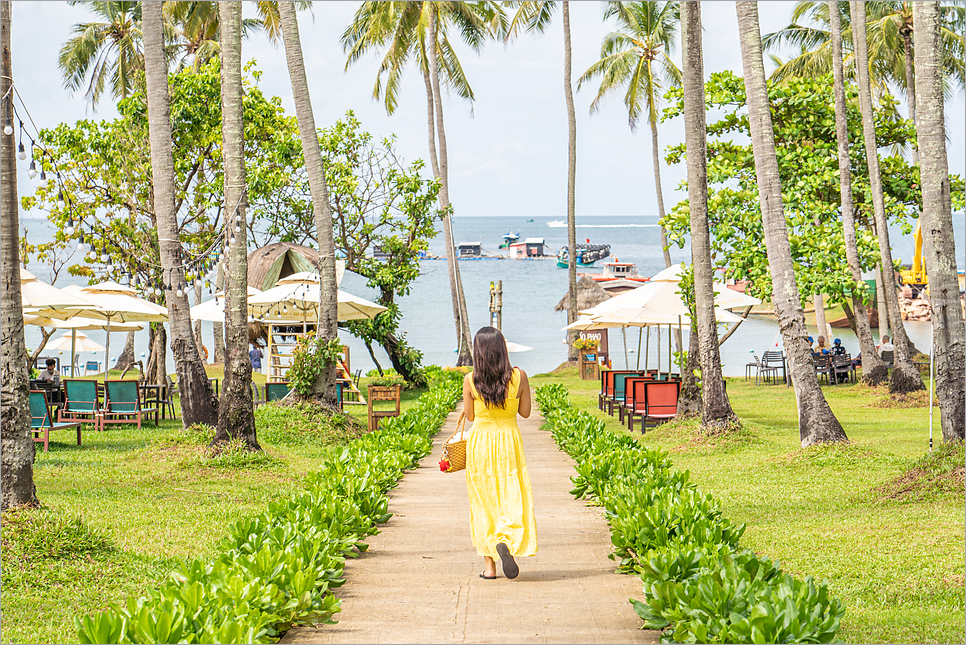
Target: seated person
837 348
820 346
50 373
885 346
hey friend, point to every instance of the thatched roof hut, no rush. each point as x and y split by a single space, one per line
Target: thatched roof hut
589 294
267 265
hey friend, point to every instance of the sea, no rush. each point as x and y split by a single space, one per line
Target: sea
531 289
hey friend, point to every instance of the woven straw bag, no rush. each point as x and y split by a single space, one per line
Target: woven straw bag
454 450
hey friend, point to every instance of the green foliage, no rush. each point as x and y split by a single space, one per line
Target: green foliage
699 586
195 434
277 569
313 355
304 424
389 378
48 534
804 119
235 454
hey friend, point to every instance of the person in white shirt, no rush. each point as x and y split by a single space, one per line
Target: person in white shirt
885 346
50 373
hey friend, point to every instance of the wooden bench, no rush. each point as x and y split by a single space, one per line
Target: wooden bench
42 422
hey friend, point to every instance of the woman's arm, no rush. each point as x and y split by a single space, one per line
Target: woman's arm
468 397
524 391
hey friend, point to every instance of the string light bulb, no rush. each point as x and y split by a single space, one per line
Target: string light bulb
93 254
60 199
21 152
104 255
32 172
7 126
180 293
69 229
43 175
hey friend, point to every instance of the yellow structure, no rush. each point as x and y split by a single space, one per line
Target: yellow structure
916 276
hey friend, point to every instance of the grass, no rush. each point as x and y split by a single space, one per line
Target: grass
838 513
120 511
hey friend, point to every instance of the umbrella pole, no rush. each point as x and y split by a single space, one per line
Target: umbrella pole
669 355
659 351
640 334
624 336
107 349
73 342
647 348
683 362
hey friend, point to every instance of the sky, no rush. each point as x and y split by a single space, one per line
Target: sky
507 151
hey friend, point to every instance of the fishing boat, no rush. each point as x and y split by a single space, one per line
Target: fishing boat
529 220
557 224
586 254
617 276
509 239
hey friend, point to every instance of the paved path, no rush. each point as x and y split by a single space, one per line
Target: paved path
419 583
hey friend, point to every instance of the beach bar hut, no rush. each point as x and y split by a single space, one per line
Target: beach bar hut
469 249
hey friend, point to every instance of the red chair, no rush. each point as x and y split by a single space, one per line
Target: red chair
637 405
661 402
631 393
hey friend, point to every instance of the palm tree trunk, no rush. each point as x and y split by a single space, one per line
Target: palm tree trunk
465 356
197 324
816 422
905 376
198 403
874 371
880 297
236 411
656 160
820 321
17 472
716 409
571 185
911 90
949 335
218 329
328 312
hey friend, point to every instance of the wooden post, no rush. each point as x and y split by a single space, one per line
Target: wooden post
496 304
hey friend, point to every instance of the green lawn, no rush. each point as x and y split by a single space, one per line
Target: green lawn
154 497
898 564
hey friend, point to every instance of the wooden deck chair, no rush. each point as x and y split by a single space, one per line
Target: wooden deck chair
122 403
379 393
80 402
277 391
41 421
636 400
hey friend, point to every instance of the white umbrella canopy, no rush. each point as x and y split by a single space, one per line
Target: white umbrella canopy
36 295
79 341
516 347
78 323
296 299
214 310
724 296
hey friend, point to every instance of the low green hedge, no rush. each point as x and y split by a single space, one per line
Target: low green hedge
699 585
277 569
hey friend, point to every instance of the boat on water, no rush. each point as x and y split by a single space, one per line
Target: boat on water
587 255
617 276
509 239
529 220
557 224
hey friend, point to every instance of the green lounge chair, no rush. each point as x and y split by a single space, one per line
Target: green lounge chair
122 403
276 391
41 421
81 402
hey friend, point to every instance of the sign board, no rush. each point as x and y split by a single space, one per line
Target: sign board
600 335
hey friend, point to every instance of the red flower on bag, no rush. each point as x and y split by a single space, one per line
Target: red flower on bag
443 465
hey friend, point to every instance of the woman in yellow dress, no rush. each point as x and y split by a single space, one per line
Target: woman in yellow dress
501 501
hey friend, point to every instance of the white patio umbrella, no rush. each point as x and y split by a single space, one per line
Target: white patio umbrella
116 303
296 298
76 341
516 347
214 310
36 295
76 324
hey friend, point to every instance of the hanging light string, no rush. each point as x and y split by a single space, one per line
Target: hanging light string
206 260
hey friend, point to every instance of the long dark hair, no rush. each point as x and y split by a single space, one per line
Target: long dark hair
491 367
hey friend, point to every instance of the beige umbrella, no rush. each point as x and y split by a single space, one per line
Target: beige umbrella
724 297
76 341
516 347
296 298
36 295
214 310
76 324
115 303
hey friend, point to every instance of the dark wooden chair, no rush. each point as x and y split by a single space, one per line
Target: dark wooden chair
887 358
774 361
81 402
380 393
842 368
122 403
42 422
823 367
257 398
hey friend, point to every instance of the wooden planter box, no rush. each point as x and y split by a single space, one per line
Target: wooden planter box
587 365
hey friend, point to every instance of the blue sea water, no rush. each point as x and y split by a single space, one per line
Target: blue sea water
531 289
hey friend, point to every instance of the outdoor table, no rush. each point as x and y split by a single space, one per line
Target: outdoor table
156 394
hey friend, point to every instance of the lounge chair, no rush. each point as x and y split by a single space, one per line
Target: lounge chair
122 403
41 421
81 402
661 402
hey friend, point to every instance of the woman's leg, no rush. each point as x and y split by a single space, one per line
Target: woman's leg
489 565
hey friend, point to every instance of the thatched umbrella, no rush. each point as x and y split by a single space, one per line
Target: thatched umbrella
269 264
589 294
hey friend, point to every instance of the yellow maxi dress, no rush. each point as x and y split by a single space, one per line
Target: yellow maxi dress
501 500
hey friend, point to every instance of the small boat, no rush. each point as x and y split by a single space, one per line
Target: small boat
509 239
587 254
617 276
557 224
529 220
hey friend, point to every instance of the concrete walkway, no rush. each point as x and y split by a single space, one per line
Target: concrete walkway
419 582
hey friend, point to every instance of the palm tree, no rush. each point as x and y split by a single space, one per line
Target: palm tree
328 327
536 16
108 51
198 403
193 29
716 409
874 371
16 443
816 422
905 377
949 336
418 31
236 412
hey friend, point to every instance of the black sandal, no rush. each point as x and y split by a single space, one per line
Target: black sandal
510 568
485 577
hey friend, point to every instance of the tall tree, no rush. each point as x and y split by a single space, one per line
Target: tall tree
715 407
874 371
949 335
236 412
816 422
328 327
198 403
905 377
536 16
16 442
404 29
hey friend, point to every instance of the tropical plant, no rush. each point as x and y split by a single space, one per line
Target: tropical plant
328 307
17 473
716 412
193 30
816 421
418 31
949 339
535 16
905 377
638 55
